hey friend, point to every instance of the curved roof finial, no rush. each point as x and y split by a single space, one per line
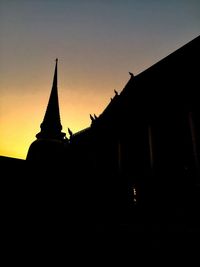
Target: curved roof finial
70 132
115 92
132 75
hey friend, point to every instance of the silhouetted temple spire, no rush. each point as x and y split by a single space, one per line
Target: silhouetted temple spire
51 126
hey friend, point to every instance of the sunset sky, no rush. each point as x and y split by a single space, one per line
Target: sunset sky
97 42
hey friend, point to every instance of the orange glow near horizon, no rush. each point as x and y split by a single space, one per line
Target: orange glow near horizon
23 114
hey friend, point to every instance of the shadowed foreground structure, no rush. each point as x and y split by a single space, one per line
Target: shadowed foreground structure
135 169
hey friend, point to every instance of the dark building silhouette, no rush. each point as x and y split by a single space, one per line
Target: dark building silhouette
143 150
138 162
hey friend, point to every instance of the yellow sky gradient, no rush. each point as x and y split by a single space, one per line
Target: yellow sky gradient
24 112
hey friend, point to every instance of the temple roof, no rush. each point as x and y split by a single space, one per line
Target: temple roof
170 84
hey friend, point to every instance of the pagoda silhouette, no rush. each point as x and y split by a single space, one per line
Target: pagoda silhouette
50 141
